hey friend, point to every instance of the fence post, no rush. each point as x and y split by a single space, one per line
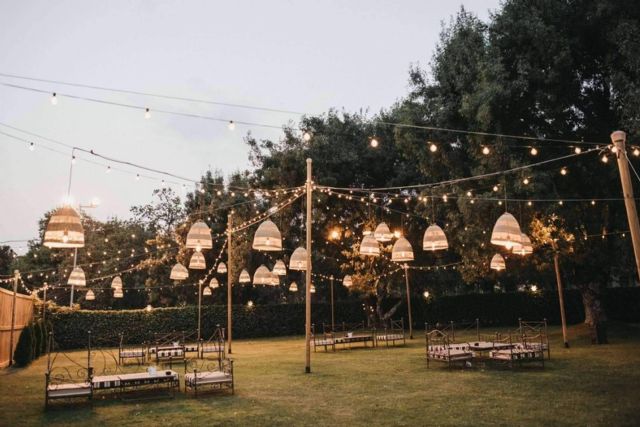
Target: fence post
16 277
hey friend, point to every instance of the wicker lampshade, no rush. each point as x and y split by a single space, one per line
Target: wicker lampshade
262 276
298 260
213 284
313 289
497 263
90 295
506 232
280 269
116 283
117 293
179 272
369 246
197 261
382 233
77 278
64 229
525 247
245 277
347 281
267 237
206 291
222 268
199 237
434 239
293 287
402 251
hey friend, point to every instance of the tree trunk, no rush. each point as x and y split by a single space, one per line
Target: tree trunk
594 315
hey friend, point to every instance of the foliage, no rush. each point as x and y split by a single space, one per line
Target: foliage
24 352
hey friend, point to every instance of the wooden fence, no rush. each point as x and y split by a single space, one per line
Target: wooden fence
24 313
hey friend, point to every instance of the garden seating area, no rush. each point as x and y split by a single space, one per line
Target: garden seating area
347 335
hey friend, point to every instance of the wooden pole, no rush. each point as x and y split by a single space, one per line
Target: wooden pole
199 307
16 278
75 260
44 304
333 315
563 318
229 278
406 281
619 138
308 272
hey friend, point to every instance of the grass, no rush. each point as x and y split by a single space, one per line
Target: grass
584 385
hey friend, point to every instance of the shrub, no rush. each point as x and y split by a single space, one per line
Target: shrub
23 354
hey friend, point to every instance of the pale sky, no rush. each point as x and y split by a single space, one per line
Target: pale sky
304 56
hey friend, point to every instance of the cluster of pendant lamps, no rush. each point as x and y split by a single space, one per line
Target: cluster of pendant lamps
507 233
434 239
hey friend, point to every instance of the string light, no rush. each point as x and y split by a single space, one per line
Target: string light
485 150
563 171
374 142
73 160
534 151
108 169
636 152
32 146
495 188
306 136
577 150
605 159
525 181
147 113
231 125
137 177
54 99
433 147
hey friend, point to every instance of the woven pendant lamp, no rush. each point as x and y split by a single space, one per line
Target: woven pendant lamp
64 229
279 268
369 246
262 276
197 261
90 295
222 268
293 287
402 251
347 281
199 237
497 263
245 277
77 277
206 291
117 293
298 260
525 247
179 272
275 279
383 233
213 284
506 232
434 239
267 237
116 283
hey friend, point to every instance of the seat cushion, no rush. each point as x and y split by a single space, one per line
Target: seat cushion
207 377
69 389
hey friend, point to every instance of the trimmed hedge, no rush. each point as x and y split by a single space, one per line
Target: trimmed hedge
23 354
70 327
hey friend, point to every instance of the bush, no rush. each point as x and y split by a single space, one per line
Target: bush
23 354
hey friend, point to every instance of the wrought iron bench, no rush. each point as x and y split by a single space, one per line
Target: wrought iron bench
391 334
214 345
439 348
206 376
127 352
70 380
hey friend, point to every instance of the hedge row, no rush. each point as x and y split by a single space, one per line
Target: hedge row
31 344
288 319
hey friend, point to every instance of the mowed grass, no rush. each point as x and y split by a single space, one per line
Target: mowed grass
583 385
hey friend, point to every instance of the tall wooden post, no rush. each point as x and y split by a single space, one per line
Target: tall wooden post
16 278
406 281
307 325
229 278
75 260
619 139
44 304
199 307
563 317
333 313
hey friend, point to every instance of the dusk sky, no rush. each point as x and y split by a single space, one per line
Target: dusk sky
296 55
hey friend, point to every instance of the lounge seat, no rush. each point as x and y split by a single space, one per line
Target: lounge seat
68 390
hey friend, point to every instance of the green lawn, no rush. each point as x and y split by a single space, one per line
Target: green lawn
584 385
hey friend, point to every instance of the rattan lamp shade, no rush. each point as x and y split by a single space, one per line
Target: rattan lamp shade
347 281
497 263
369 246
402 250
206 291
197 261
293 287
77 278
116 283
298 260
244 276
64 229
506 232
199 237
117 293
275 279
267 237
434 239
525 247
90 295
280 269
213 284
222 268
179 272
262 276
383 233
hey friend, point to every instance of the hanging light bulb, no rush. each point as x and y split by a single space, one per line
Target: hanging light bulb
374 142
108 169
73 160
433 147
525 181
563 171
469 194
495 188
604 159
137 177
397 234
54 99
306 136
32 146
485 150
425 294
577 150
347 281
231 125
636 152
614 149
147 113
534 151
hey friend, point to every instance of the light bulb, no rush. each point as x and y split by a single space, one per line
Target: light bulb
577 150
468 193
563 171
162 183
397 234
108 169
54 99
485 150
614 149
445 198
374 142
636 152
593 202
534 288
425 294
605 159
198 247
147 113
534 151
231 125
433 147
32 146
525 181
73 160
529 203
306 136
65 237
137 177
495 188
